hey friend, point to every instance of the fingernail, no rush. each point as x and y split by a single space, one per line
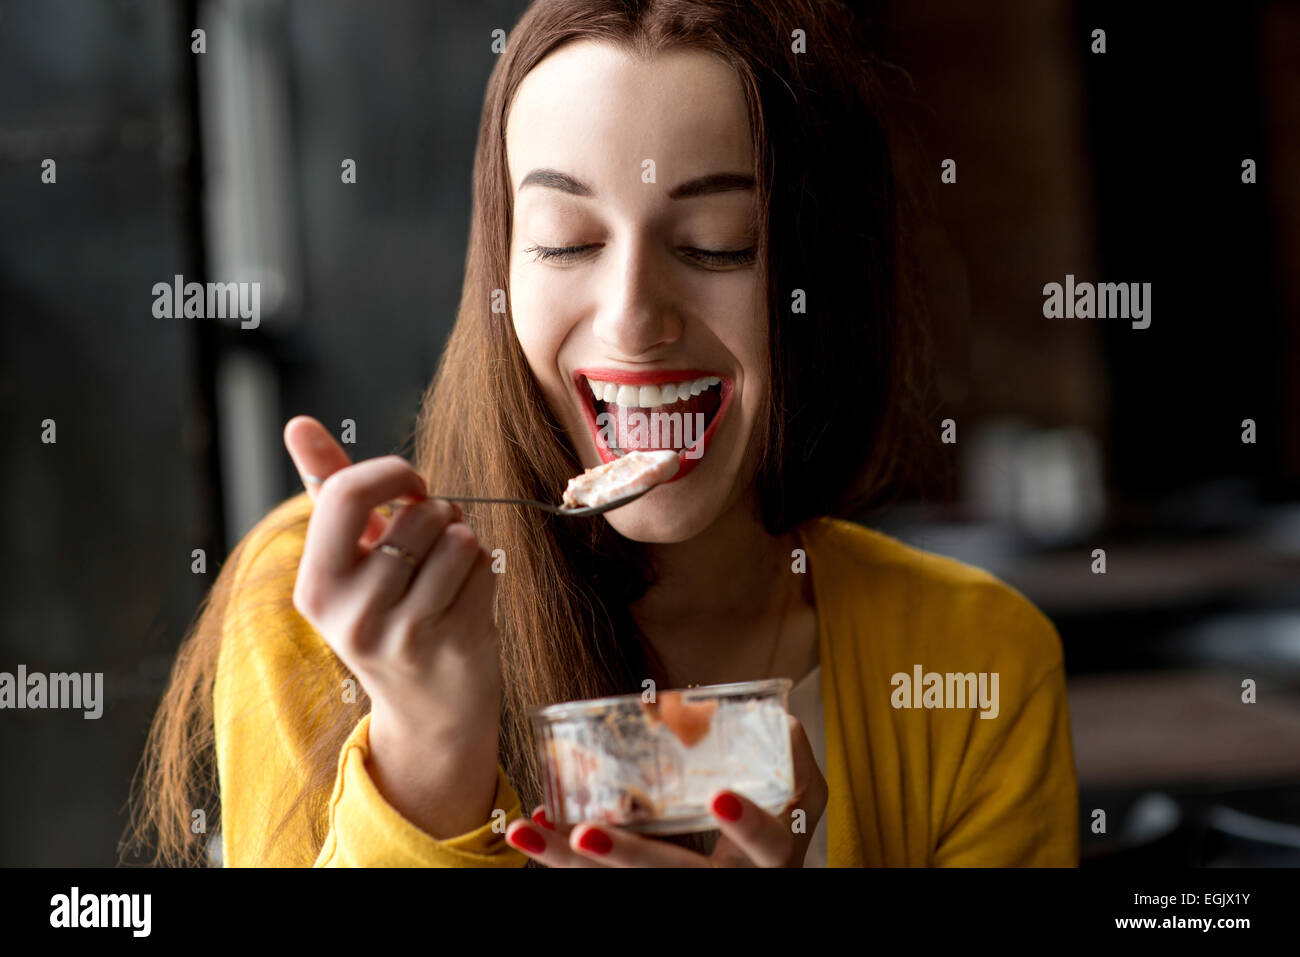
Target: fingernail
598 842
526 839
540 819
313 479
727 807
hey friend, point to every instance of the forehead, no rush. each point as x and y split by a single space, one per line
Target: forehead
597 112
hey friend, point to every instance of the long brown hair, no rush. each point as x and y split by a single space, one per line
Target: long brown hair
830 225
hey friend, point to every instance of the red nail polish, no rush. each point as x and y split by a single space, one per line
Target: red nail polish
540 819
526 839
727 807
597 842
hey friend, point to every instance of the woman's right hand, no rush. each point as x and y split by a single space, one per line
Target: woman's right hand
418 635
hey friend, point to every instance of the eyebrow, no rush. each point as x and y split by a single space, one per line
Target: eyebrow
700 186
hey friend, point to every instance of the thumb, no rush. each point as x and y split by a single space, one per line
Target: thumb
810 790
315 453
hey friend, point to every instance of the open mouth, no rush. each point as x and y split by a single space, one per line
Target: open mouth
677 409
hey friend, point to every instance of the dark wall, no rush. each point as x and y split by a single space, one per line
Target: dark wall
96 574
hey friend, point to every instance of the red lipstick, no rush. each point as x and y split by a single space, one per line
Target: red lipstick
647 377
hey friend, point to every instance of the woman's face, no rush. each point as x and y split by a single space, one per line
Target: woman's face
633 271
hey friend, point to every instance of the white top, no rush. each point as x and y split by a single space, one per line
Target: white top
806 705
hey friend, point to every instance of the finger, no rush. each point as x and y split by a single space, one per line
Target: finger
726 854
763 838
414 531
344 506
440 578
471 608
546 846
616 847
314 451
382 517
317 455
540 818
810 789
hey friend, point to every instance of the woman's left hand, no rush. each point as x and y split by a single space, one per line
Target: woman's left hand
751 837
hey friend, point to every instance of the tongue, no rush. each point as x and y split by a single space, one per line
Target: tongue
635 433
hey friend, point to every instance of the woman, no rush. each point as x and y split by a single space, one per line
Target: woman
677 206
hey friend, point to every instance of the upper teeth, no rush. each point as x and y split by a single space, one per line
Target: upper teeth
649 396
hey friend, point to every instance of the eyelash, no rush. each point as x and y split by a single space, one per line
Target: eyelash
737 257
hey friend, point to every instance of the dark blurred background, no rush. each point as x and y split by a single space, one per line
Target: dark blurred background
1072 435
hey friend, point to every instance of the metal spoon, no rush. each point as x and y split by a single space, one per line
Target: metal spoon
584 512
391 506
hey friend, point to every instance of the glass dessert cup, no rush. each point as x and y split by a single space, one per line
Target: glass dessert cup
651 766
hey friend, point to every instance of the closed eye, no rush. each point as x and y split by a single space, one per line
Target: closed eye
706 257
562 253
721 257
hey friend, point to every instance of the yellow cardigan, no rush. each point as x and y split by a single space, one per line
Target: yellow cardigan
909 786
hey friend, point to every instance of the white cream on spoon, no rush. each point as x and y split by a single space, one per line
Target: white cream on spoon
632 473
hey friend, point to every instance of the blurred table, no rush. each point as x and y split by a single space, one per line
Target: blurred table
1161 728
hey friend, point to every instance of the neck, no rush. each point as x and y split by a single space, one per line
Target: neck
725 583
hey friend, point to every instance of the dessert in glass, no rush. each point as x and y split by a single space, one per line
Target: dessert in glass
651 762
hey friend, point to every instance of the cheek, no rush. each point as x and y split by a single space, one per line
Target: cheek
536 309
543 317
745 336
736 312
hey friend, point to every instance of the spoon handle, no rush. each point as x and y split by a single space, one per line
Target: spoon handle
583 512
500 501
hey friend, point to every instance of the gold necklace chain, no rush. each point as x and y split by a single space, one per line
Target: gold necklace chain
776 640
780 627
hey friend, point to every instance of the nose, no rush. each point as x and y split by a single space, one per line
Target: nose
637 316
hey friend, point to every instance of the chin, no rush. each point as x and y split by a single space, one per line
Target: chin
675 513
644 521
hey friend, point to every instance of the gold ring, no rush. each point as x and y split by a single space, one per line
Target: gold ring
401 553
